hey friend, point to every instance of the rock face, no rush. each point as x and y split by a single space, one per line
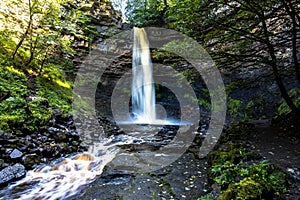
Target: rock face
104 14
107 20
12 173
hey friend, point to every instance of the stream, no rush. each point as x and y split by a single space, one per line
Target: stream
149 155
124 158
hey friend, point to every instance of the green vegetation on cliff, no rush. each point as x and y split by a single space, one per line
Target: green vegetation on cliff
38 42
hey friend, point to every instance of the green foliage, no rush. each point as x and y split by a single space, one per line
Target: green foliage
241 34
207 197
38 113
166 57
16 111
233 107
12 81
237 109
13 112
13 87
283 108
77 23
245 189
146 12
186 16
231 153
256 180
32 83
57 91
248 181
154 195
204 100
241 173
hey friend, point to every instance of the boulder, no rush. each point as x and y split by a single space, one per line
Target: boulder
12 173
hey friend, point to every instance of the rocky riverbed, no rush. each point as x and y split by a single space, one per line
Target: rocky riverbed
22 150
184 179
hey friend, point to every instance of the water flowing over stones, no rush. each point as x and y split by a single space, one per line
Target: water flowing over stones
61 179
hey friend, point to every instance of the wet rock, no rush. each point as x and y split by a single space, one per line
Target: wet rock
48 151
57 112
15 154
30 159
28 137
23 148
43 138
6 135
2 141
8 150
12 173
3 164
171 133
59 136
75 143
12 140
70 123
73 134
53 130
63 127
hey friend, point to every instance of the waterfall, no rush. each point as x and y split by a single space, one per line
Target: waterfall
66 177
143 91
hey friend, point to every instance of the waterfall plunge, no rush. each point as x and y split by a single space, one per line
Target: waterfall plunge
143 91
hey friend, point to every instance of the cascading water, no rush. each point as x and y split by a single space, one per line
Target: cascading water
143 92
65 178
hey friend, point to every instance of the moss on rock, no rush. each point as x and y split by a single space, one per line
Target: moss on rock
241 173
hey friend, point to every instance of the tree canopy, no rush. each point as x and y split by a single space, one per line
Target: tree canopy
237 34
38 41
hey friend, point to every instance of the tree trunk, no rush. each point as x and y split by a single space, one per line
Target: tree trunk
26 32
21 41
32 49
274 66
292 13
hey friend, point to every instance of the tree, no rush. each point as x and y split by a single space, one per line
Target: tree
44 29
28 29
41 17
244 33
146 12
292 10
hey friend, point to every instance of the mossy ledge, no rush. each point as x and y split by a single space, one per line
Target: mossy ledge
239 173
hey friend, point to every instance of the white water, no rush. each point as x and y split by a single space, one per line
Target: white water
143 91
64 179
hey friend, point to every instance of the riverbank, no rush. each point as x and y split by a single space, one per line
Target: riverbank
244 151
